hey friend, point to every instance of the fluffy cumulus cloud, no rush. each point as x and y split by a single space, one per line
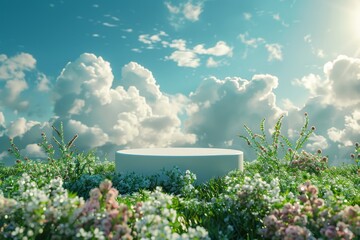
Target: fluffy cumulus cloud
343 75
12 78
223 106
14 81
136 113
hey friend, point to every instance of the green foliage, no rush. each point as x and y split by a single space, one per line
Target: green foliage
62 161
286 193
268 152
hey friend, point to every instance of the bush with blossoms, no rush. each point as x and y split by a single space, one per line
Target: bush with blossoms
51 213
286 193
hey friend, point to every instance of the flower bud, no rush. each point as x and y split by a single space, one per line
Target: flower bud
319 151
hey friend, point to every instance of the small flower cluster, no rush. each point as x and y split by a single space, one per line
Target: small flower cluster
179 182
33 210
257 195
254 199
343 225
309 162
102 212
310 217
156 218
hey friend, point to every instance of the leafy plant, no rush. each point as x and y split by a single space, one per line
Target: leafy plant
61 161
356 156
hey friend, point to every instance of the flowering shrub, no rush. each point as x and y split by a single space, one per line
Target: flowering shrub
37 212
242 205
311 217
179 182
157 220
131 182
309 162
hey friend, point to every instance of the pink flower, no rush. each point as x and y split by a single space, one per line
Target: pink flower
112 194
313 190
91 205
319 202
105 185
330 232
95 194
106 225
270 220
111 204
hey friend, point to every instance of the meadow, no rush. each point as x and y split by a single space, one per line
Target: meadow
286 193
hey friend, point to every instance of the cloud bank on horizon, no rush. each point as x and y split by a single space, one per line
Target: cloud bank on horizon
253 60
136 113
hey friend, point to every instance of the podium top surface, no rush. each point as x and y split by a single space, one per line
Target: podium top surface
180 152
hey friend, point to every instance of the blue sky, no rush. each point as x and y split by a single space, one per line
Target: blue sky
178 73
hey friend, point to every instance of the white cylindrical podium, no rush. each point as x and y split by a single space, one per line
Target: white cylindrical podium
206 163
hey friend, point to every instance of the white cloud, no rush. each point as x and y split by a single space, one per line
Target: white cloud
320 53
15 75
14 87
275 52
2 119
188 11
212 63
316 51
179 44
220 49
288 105
106 24
150 40
225 105
172 9
276 17
252 42
135 114
43 83
185 59
349 133
247 16
33 151
307 38
316 142
136 50
192 12
15 67
19 127
2 124
343 75
77 106
314 84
